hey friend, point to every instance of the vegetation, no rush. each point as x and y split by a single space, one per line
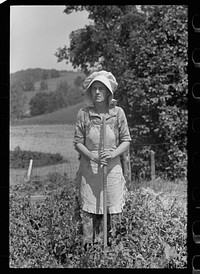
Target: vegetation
33 75
62 116
43 85
17 101
20 158
146 50
44 232
50 91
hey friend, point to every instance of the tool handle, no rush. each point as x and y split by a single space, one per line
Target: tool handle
104 187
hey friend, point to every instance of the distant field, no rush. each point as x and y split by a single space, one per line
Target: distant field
45 138
62 116
52 132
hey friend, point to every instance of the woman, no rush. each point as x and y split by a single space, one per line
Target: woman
99 89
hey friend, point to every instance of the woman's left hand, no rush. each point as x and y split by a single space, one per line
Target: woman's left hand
105 156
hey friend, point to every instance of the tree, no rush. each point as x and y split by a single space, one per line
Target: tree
146 50
43 85
27 84
17 101
78 82
39 104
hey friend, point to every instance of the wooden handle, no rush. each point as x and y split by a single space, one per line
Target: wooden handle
104 187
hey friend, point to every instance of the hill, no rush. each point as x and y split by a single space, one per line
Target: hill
62 116
51 77
68 76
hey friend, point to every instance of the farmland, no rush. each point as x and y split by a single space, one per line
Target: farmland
49 139
154 223
64 116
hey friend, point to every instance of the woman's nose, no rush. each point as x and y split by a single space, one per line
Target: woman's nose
97 90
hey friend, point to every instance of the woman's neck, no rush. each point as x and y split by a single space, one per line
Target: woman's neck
101 107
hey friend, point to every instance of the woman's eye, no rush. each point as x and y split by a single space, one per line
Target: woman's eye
95 89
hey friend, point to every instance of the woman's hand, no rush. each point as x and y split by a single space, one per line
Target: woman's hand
95 158
105 156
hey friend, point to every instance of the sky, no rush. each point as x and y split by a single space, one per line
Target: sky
36 32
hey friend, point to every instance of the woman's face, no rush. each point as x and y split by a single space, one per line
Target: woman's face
99 92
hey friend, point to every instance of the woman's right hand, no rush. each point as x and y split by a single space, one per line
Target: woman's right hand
95 158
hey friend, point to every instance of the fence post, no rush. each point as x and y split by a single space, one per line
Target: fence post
29 169
152 165
126 165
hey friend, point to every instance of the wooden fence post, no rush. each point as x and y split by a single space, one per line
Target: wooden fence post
29 170
152 165
126 164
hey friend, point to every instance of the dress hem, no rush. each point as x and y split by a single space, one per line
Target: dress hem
110 210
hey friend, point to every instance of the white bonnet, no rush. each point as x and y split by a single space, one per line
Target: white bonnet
107 78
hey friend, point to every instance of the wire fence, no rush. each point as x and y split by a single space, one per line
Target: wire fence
71 166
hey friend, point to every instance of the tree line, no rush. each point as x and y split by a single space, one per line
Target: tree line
26 78
63 96
146 49
44 101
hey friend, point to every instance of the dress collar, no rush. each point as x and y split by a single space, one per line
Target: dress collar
111 112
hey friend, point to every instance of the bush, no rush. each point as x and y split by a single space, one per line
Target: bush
152 233
21 158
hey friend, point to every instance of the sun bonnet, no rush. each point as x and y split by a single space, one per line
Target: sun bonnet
107 78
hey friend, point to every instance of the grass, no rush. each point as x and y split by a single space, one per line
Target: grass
62 116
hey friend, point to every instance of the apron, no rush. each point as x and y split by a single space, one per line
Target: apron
90 174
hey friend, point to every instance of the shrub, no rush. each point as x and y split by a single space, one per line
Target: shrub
20 158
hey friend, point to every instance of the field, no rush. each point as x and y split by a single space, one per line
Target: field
44 232
45 138
61 116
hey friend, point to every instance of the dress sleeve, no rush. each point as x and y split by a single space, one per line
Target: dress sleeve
124 134
79 134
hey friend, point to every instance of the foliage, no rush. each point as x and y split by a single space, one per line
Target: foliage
27 84
25 79
46 234
43 85
62 116
34 75
63 96
79 81
17 102
20 158
146 50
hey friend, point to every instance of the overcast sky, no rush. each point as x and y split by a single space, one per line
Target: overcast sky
37 31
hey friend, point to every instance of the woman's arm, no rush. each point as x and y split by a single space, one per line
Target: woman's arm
82 149
106 155
120 149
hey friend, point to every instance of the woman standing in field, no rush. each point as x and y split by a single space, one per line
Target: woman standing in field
88 139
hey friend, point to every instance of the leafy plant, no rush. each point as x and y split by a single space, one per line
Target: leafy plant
46 233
